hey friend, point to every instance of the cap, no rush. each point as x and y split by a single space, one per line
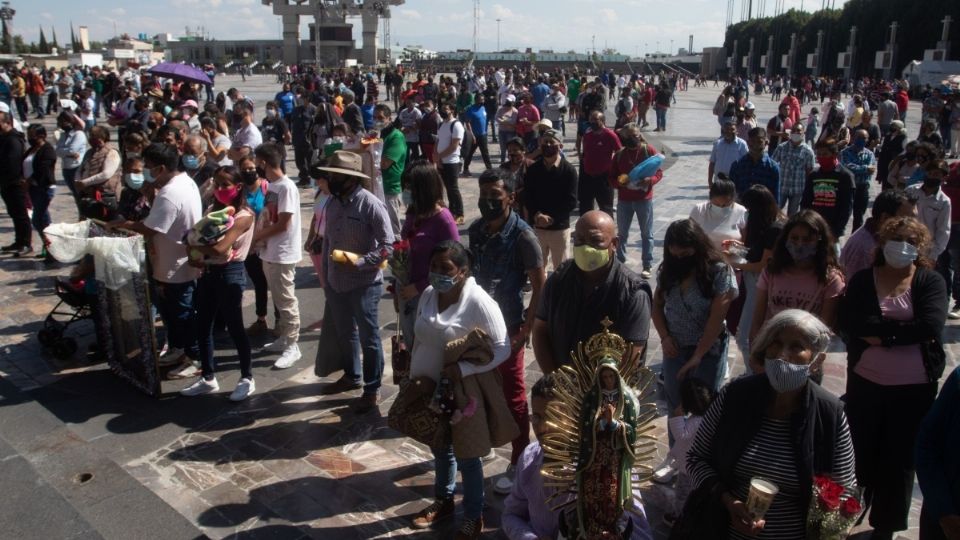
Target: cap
750 106
189 103
897 125
511 98
343 162
551 134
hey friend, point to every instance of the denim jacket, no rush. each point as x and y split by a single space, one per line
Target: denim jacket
498 267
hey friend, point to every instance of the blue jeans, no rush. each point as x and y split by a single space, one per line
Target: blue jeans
644 212
220 293
175 303
710 371
40 197
471 470
661 118
355 321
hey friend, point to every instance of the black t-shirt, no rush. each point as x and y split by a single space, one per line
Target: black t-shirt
765 241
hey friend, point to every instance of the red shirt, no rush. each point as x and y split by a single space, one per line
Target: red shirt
598 149
623 163
530 113
902 100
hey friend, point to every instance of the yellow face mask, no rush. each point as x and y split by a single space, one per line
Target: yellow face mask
589 258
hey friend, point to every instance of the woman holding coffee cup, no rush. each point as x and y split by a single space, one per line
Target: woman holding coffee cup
766 436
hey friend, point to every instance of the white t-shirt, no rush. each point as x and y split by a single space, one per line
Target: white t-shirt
175 210
247 136
445 134
408 119
720 225
284 247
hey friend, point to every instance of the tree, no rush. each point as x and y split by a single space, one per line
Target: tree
54 33
5 37
73 39
43 46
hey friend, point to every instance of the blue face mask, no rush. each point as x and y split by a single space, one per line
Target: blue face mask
859 144
442 282
190 161
148 176
133 180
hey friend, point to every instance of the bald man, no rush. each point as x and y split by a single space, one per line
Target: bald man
583 292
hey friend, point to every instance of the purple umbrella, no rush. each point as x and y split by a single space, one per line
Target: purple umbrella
182 72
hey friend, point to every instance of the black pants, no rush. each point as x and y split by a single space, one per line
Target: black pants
254 267
22 107
15 199
450 173
301 156
478 142
413 152
883 424
53 102
861 198
595 188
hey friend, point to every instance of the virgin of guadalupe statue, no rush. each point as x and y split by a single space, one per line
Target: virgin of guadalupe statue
608 432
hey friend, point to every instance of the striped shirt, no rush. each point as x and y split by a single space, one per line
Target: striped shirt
771 455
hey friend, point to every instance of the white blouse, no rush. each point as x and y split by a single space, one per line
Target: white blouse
432 330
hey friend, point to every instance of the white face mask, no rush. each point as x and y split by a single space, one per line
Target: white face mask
899 254
796 137
720 212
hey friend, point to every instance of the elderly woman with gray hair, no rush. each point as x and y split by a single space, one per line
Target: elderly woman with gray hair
778 425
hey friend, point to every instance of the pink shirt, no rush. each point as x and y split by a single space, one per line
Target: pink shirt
793 289
900 364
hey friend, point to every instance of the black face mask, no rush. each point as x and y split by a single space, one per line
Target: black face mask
249 177
931 183
339 187
631 142
684 265
490 208
549 151
261 173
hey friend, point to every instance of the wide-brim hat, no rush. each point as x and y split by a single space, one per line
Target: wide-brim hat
343 162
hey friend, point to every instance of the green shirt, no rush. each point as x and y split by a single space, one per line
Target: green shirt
394 149
573 89
464 101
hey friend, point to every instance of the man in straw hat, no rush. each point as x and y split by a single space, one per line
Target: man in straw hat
358 230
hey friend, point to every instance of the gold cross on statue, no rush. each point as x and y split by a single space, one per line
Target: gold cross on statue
606 323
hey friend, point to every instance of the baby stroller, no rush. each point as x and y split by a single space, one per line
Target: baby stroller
72 293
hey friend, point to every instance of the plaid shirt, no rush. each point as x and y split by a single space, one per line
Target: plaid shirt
858 161
359 224
795 161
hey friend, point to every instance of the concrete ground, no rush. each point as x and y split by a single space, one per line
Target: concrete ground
84 455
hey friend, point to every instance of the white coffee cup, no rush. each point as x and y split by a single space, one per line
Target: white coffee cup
762 492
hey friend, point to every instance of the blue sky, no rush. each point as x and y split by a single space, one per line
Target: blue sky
630 26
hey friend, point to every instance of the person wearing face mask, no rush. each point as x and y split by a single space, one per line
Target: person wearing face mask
721 217
133 204
429 129
393 160
71 147
549 196
582 293
301 134
894 140
188 114
779 425
274 129
695 288
934 210
99 177
795 158
453 307
410 117
892 321
38 164
507 254
859 159
194 162
903 166
354 284
803 273
428 222
829 189
219 294
726 150
634 200
247 136
527 117
449 135
859 249
600 144
475 120
255 187
756 167
175 209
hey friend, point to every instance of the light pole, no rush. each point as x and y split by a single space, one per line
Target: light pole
498 35
671 47
593 40
6 14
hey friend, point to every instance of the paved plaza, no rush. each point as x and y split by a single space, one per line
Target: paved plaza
288 462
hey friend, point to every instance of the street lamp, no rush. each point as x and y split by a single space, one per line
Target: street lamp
498 35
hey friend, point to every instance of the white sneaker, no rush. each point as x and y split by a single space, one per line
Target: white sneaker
243 390
277 346
288 358
171 357
201 387
190 368
665 472
492 455
504 484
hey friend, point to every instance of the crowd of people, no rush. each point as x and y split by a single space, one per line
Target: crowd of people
760 263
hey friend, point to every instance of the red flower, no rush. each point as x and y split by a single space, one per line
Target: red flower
829 501
850 508
822 483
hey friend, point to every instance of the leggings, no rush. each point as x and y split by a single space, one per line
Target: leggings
254 267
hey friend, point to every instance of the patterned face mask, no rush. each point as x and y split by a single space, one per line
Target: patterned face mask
784 376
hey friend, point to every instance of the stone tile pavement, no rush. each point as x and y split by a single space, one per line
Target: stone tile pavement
289 463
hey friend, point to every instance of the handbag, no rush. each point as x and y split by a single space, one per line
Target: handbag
703 517
412 416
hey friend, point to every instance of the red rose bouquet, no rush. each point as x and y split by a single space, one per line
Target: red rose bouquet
399 263
833 510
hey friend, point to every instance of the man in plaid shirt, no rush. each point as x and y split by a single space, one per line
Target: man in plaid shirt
795 158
